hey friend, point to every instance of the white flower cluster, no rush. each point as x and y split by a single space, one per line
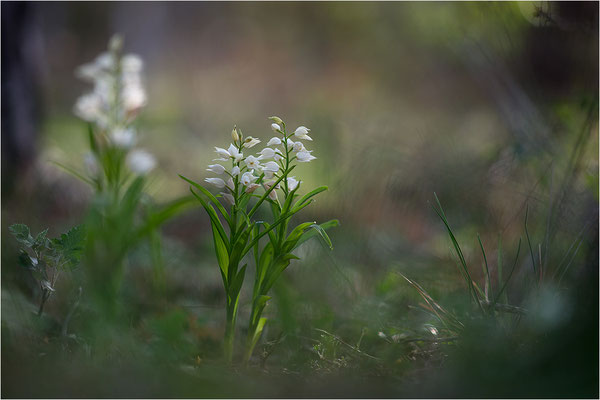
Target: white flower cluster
117 97
269 162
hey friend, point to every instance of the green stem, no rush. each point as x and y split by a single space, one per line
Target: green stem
230 330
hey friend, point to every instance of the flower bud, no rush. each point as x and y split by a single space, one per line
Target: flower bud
116 43
277 120
251 142
234 135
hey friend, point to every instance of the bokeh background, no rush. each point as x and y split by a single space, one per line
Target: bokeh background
492 106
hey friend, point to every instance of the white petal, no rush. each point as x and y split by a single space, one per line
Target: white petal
275 141
218 182
140 161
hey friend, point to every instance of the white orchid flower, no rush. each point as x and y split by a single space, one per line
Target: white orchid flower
293 182
275 141
131 63
270 183
289 143
252 187
275 127
123 138
105 61
235 171
302 133
251 142
235 153
223 154
218 182
305 156
267 153
140 161
216 168
298 147
271 166
134 97
230 185
248 178
88 107
228 197
252 162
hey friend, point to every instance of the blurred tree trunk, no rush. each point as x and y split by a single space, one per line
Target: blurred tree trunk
20 90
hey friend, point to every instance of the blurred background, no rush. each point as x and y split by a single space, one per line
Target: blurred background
492 106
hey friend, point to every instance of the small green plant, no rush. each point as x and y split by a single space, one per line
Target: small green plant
47 258
121 213
243 177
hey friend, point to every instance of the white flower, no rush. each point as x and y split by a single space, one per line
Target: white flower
140 161
131 63
270 183
252 187
218 182
298 146
289 143
275 141
302 133
123 138
271 166
251 142
91 164
272 193
104 87
228 197
248 178
305 156
268 174
105 61
88 107
88 72
216 168
275 127
277 157
230 184
267 153
252 162
222 153
235 153
293 182
235 171
134 97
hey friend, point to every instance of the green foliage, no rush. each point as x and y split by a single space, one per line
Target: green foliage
45 258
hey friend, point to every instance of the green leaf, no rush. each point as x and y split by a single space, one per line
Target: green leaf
74 173
256 336
214 218
313 232
220 251
40 239
211 197
70 245
237 282
157 218
294 236
277 267
309 195
24 260
22 234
